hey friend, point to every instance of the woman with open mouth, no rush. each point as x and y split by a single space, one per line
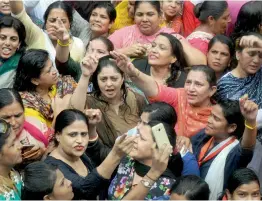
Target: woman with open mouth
12 44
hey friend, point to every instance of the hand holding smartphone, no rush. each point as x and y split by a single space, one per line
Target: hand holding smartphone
160 135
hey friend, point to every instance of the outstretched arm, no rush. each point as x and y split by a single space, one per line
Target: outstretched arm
146 83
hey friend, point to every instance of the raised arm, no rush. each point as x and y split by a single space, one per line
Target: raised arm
16 7
146 83
249 110
88 66
193 56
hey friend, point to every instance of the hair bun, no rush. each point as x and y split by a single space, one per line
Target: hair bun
197 9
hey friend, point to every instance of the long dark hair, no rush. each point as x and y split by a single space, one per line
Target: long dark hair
30 66
178 52
248 20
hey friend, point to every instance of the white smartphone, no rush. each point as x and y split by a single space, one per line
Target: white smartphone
160 136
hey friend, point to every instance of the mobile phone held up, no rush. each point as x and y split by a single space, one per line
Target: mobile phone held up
160 135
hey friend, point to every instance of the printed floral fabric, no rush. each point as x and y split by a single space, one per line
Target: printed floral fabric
122 183
10 189
65 85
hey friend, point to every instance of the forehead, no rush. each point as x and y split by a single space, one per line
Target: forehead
217 110
162 40
109 71
76 126
197 76
146 7
226 13
97 44
250 187
57 12
9 31
100 10
220 46
13 107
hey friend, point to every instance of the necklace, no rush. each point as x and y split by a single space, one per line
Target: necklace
164 79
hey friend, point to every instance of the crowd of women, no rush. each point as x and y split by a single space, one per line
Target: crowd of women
82 84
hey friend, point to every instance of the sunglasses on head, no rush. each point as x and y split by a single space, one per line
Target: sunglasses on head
4 127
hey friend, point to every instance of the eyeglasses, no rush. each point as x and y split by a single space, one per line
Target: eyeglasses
4 127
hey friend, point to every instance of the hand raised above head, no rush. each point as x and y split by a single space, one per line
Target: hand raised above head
248 108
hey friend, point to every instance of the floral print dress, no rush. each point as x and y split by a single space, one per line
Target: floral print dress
122 183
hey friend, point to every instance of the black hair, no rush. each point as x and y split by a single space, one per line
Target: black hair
241 177
9 96
249 19
232 114
178 52
18 26
62 5
209 72
210 8
224 40
4 135
39 179
66 118
175 163
109 45
105 62
110 9
192 187
160 111
155 4
30 66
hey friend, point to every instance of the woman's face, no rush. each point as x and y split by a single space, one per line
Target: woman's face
14 115
10 154
197 89
62 189
249 60
110 82
147 18
130 8
217 124
52 20
218 57
248 191
99 21
5 7
48 76
142 148
74 139
160 54
97 48
171 8
9 42
220 25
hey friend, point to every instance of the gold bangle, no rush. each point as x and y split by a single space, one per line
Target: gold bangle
250 127
63 45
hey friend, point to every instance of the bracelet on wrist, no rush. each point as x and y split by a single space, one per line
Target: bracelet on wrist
150 178
249 126
62 44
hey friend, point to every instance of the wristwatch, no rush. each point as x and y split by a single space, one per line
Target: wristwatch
147 183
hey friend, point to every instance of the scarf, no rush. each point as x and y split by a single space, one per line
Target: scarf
217 168
65 85
8 70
